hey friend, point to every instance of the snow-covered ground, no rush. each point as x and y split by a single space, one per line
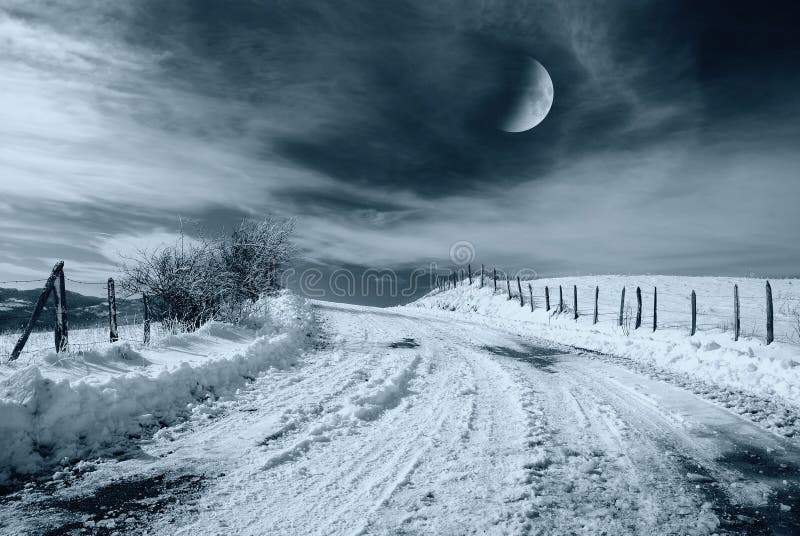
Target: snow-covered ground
61 408
413 421
711 354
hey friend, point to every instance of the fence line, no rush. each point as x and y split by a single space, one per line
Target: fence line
55 285
705 317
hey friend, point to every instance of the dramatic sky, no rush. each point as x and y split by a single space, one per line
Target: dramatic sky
673 144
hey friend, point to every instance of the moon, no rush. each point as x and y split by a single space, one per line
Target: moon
534 99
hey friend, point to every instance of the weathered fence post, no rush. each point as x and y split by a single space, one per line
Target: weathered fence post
547 298
494 276
622 306
469 272
519 288
60 299
694 313
113 335
508 286
596 296
530 292
560 299
575 301
638 308
147 318
481 276
736 322
655 308
770 324
37 310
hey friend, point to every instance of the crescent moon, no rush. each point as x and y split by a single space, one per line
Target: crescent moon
534 100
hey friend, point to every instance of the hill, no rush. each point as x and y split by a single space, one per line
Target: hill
82 311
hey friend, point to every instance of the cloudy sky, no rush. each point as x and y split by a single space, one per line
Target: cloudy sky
671 147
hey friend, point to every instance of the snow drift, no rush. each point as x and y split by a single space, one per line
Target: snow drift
47 419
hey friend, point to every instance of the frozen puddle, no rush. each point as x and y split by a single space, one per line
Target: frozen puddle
539 356
405 343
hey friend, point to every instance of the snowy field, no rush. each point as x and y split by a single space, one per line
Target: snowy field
424 419
711 354
39 348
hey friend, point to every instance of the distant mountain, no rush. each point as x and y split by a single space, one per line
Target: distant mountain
16 307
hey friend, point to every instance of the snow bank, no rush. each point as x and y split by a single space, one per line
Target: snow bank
748 364
45 421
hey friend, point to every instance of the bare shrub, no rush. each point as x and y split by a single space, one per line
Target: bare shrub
203 279
251 256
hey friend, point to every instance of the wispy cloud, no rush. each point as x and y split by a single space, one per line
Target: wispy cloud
372 123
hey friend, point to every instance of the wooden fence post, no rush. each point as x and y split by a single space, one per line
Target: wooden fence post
508 286
770 324
694 313
655 308
596 296
560 299
113 335
469 272
37 310
481 276
547 298
147 318
638 308
621 306
519 288
494 276
530 292
736 322
60 299
575 301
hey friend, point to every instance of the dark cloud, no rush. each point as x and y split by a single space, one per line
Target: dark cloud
376 124
403 95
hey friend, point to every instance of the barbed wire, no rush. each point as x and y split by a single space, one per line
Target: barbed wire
23 281
86 282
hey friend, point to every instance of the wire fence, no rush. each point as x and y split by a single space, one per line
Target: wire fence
715 309
28 328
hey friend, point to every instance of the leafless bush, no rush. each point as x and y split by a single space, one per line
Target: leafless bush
251 256
194 281
793 312
627 320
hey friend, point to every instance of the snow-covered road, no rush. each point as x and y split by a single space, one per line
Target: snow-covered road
403 423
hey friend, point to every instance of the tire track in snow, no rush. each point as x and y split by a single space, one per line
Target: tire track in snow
461 437
592 470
